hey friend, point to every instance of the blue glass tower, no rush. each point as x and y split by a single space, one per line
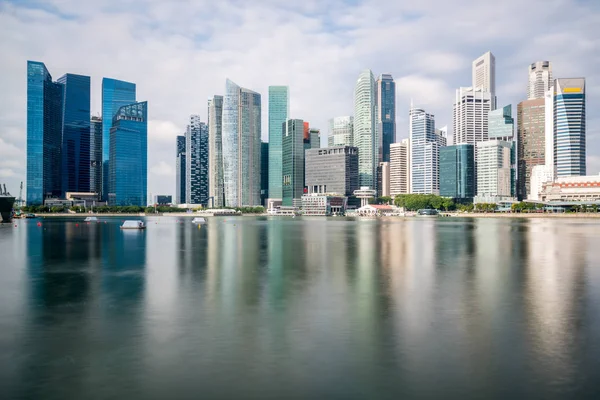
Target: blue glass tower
75 133
279 108
569 127
96 155
115 94
44 133
457 171
293 161
386 115
128 164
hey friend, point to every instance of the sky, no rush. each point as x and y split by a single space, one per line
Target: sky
180 52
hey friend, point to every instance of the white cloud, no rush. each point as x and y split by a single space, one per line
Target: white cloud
6 172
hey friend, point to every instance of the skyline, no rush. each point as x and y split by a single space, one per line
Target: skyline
194 62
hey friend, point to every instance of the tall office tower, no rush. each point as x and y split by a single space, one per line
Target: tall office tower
385 90
470 118
279 110
44 134
75 133
484 76
501 124
264 172
383 179
494 171
128 164
399 168
293 161
96 155
540 79
115 94
341 131
425 144
569 127
315 138
457 172
332 170
215 151
365 137
196 169
241 146
442 136
180 168
306 135
530 143
542 173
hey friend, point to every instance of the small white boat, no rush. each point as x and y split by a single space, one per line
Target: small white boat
198 221
91 219
131 224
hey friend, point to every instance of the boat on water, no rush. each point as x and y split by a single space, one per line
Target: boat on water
91 219
199 221
133 224
428 212
30 215
6 204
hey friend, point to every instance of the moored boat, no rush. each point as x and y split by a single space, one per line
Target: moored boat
91 219
198 221
133 224
6 205
428 212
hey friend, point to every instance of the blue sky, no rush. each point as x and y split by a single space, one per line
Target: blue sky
180 52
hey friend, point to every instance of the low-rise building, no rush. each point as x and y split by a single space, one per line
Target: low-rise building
323 204
573 188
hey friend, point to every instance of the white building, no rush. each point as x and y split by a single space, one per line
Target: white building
540 79
494 171
424 153
383 179
341 130
365 137
470 117
569 129
484 76
573 188
215 151
399 168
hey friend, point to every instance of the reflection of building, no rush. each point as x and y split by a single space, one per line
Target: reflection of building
279 110
341 131
332 170
365 137
457 171
494 171
569 127
316 204
385 93
293 161
399 168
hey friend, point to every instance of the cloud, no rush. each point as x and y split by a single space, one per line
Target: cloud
6 172
162 169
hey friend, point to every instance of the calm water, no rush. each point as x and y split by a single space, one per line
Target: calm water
302 308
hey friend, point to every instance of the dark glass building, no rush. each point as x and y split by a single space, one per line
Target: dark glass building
180 171
196 178
44 134
128 165
332 170
115 94
386 115
96 155
293 161
457 172
75 133
264 172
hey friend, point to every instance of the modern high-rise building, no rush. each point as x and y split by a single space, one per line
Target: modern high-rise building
501 124
241 146
569 127
341 131
385 93
293 162
180 168
540 79
216 190
44 134
365 133
531 142
457 172
315 138
96 155
332 170
484 76
399 168
424 155
470 117
264 173
196 168
75 133
494 171
128 164
115 94
279 110
383 179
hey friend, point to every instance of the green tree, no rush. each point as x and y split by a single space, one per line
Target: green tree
447 203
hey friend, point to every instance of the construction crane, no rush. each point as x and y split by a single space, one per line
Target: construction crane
20 199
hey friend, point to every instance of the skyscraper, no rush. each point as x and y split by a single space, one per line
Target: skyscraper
293 161
386 115
96 155
215 151
569 127
196 157
279 109
365 137
241 146
501 124
75 133
128 164
494 171
540 79
531 144
44 134
399 168
457 172
383 179
315 138
425 144
264 172
332 170
470 118
115 94
180 168
341 131
484 76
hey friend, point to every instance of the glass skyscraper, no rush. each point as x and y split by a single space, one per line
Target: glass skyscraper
365 137
386 115
115 94
424 157
341 131
96 155
215 151
279 109
569 127
76 133
196 172
293 161
501 124
457 171
44 134
264 172
241 146
128 164
180 171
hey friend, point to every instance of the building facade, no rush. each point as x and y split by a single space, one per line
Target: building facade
128 164
264 173
241 146
484 76
279 110
470 115
501 124
540 79
383 179
531 142
569 127
385 93
196 168
180 168
341 131
399 168
332 170
365 137
494 171
424 154
96 155
573 188
44 134
216 190
293 162
457 172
